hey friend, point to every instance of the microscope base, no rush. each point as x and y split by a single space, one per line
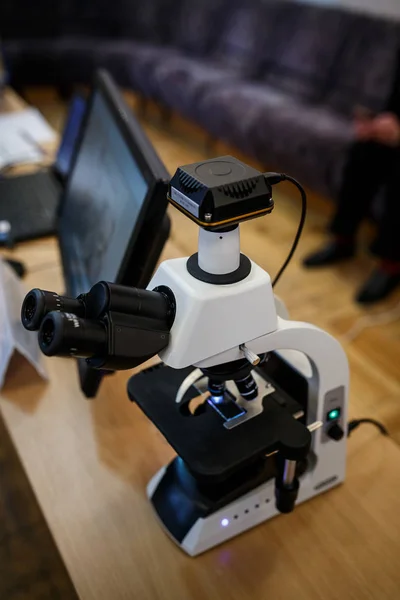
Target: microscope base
202 499
196 534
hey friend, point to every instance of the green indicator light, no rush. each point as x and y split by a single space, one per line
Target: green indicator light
333 414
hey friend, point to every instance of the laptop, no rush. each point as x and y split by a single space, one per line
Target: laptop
29 204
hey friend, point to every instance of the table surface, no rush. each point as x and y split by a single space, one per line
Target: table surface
30 563
89 463
10 101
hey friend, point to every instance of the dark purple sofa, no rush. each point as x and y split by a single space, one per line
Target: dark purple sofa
278 79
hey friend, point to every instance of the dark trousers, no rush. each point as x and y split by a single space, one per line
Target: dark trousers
370 167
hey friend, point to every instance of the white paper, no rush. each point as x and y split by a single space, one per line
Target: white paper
13 337
30 121
21 136
15 150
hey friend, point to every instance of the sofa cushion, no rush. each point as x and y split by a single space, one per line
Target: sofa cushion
179 82
197 25
131 62
306 140
150 21
363 74
242 38
309 142
228 111
309 40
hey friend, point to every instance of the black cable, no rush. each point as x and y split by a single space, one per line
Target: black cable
21 270
273 179
352 425
17 266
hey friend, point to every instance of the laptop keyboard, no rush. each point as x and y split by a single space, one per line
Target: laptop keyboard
29 203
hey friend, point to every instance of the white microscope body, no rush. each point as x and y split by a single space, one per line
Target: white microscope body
212 323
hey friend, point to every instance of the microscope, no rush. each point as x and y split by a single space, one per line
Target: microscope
254 404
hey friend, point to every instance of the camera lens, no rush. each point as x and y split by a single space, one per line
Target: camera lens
38 303
65 334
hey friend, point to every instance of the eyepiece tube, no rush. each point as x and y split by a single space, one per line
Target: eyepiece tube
157 304
38 303
65 334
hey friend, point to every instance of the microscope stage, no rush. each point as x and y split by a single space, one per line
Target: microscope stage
211 451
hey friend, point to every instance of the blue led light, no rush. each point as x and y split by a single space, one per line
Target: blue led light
225 522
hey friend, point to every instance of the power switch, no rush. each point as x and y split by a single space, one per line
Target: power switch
335 432
333 415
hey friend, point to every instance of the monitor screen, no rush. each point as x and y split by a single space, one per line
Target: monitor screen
105 194
70 136
113 222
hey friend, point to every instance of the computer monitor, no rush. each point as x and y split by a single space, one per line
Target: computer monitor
113 222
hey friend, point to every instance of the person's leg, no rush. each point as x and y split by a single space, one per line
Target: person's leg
386 277
364 173
387 243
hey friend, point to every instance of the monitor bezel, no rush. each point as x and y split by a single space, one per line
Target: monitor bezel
81 99
154 172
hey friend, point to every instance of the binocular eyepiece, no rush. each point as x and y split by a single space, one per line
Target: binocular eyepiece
65 334
112 326
38 303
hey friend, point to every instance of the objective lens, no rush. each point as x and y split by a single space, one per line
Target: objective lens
247 387
38 303
65 334
216 388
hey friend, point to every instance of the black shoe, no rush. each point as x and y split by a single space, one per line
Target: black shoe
378 287
329 255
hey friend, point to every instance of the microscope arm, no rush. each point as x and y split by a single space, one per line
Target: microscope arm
320 348
327 384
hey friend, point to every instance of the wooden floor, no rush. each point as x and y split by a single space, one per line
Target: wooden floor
323 297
